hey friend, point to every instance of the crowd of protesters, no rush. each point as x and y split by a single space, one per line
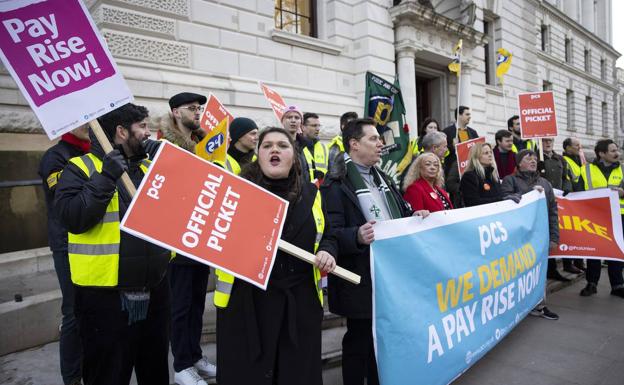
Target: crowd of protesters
125 300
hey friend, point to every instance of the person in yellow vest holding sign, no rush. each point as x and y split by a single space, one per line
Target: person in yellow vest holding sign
605 171
274 336
121 294
571 155
513 125
335 146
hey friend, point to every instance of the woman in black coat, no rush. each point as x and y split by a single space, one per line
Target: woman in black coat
480 183
274 336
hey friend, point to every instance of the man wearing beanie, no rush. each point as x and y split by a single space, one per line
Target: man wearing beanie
188 279
244 137
292 120
525 179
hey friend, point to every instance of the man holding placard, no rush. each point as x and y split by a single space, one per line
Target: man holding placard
122 297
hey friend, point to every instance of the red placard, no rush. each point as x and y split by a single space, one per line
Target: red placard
207 214
590 226
214 113
537 115
277 103
463 153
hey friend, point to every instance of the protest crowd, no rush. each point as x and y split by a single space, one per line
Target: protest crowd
125 300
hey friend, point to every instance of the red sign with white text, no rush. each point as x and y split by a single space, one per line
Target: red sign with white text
590 226
207 214
463 153
537 115
277 103
214 113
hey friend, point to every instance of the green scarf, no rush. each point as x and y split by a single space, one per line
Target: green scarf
369 207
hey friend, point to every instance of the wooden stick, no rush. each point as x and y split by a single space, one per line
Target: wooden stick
310 258
107 147
541 150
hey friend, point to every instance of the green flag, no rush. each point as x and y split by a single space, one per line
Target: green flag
383 103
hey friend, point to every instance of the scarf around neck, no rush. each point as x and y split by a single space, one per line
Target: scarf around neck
370 208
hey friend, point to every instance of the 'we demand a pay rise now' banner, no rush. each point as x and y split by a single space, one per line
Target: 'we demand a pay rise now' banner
448 288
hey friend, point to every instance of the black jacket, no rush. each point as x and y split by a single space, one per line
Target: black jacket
54 160
522 183
80 204
450 132
555 169
345 215
474 190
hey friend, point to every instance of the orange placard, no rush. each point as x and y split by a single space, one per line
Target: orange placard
590 226
200 210
277 103
537 115
213 114
463 153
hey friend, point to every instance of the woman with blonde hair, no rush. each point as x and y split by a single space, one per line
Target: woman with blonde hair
423 185
480 183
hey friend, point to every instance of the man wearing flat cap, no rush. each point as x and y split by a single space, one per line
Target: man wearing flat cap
188 279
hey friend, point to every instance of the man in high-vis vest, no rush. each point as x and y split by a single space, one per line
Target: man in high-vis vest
311 129
336 146
605 171
243 141
121 294
513 125
292 121
571 155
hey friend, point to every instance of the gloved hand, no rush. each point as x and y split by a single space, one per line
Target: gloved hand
114 165
515 197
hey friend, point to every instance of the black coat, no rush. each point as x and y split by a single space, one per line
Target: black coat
54 160
474 190
81 202
345 215
522 183
274 336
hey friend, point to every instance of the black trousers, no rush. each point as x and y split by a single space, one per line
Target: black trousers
188 297
112 348
594 267
358 353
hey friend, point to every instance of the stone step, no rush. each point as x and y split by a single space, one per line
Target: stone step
25 262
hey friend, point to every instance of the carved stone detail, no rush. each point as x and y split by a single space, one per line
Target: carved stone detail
150 50
176 7
129 19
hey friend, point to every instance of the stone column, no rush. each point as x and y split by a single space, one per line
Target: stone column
407 79
466 86
588 14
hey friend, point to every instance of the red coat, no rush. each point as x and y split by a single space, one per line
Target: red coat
422 196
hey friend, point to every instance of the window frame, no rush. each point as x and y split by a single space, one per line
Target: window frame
312 18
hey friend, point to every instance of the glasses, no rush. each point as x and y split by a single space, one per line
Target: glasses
194 109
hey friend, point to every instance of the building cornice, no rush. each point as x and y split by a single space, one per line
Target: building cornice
565 66
555 12
409 11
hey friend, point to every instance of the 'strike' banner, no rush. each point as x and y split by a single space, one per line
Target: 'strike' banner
448 288
60 62
590 226
204 212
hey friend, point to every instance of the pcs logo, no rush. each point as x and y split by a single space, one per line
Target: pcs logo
214 143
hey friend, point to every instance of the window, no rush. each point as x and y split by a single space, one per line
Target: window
589 114
570 109
544 34
603 69
546 86
490 57
587 60
296 16
605 122
568 51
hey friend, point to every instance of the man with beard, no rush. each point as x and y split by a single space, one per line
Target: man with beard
121 295
513 125
604 172
188 279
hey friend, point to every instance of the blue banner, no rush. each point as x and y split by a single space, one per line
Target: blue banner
448 288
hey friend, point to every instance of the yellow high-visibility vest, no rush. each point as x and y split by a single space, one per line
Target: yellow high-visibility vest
310 160
594 179
575 169
225 281
530 146
94 254
321 157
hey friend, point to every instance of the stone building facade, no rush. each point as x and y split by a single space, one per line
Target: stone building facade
316 54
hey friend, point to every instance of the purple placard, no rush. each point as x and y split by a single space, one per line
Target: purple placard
53 49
